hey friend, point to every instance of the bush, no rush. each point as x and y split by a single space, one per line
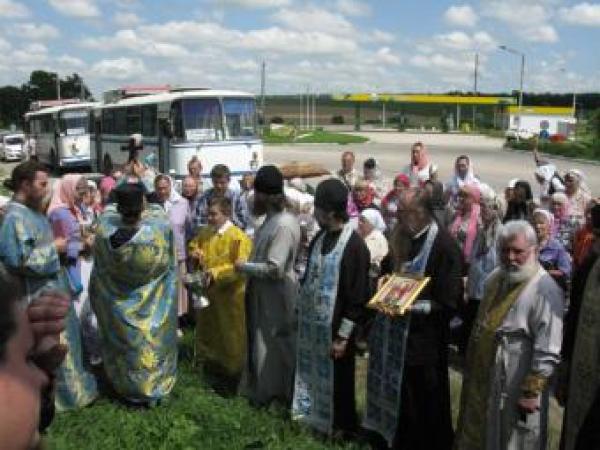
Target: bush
337 120
277 120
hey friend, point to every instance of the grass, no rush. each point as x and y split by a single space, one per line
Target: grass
314 137
580 149
194 417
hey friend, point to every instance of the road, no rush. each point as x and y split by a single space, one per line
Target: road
493 164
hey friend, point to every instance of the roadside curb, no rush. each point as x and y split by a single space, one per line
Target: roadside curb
559 157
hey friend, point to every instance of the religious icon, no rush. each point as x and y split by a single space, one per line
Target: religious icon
398 293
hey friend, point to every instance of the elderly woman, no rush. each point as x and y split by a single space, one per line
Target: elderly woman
552 255
371 228
578 194
549 180
565 225
463 175
484 260
389 204
466 221
372 174
363 195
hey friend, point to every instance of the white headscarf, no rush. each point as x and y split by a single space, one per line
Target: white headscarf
581 177
373 216
546 171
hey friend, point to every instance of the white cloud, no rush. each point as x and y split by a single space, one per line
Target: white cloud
127 19
12 9
76 8
531 20
119 69
461 15
440 62
459 40
382 37
313 19
587 14
353 8
4 46
385 56
253 4
35 31
70 62
541 33
131 40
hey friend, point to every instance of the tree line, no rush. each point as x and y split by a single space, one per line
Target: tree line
42 85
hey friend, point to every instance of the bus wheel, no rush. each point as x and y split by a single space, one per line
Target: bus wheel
107 165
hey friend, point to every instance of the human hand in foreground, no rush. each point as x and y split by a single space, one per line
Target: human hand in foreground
338 348
47 318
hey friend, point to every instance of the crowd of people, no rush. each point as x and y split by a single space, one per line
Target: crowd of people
98 282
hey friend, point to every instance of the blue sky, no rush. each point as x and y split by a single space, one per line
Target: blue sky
329 45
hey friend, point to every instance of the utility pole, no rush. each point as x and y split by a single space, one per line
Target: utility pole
520 107
314 110
57 86
307 121
301 112
475 74
262 91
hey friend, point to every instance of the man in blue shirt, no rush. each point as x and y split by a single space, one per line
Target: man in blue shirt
221 176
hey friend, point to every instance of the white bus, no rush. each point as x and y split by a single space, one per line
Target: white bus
218 127
61 134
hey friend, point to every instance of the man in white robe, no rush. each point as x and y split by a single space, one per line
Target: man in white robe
513 351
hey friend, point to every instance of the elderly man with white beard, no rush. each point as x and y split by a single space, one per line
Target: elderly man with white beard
513 351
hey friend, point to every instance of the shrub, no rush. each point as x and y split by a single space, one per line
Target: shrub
277 120
337 120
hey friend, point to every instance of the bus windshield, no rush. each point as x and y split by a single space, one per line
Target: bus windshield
13 140
201 119
240 116
74 122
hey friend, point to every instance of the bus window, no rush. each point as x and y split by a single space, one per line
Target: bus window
176 121
240 117
120 121
74 122
108 121
149 120
134 119
202 120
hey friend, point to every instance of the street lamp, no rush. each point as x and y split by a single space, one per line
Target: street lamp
564 70
516 52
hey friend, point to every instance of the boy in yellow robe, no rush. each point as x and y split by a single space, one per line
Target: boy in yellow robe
221 326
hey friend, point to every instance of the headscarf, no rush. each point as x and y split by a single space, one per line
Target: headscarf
63 194
493 202
373 216
368 197
402 178
548 215
546 171
475 194
581 177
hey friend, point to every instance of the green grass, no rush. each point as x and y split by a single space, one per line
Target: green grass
580 149
193 417
314 137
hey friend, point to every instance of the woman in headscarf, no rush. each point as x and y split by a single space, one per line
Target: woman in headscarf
467 220
550 182
520 204
76 387
371 228
578 194
363 195
419 168
389 204
552 254
584 237
463 175
565 225
484 260
372 174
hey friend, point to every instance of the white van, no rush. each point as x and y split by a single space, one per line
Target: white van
11 147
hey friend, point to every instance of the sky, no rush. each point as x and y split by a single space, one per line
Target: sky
326 46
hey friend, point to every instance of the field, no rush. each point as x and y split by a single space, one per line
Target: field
195 417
